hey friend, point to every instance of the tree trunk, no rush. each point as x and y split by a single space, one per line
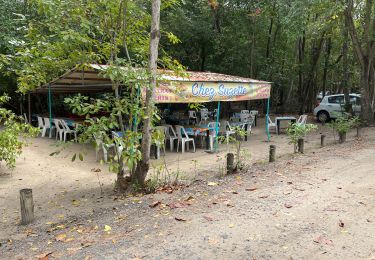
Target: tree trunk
345 67
326 65
363 45
144 165
268 48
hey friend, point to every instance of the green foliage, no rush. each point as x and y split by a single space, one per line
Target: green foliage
235 140
45 38
297 131
343 124
13 134
195 106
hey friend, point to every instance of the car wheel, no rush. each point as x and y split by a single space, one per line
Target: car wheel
323 116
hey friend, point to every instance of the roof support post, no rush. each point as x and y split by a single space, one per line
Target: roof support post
268 114
50 109
217 126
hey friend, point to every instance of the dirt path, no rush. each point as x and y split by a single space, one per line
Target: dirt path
320 205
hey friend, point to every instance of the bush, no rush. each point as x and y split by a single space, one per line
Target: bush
343 124
13 135
297 131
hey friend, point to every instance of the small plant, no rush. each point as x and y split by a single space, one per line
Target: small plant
239 134
13 135
342 125
297 131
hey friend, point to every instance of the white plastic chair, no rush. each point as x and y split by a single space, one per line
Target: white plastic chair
40 124
24 117
204 114
170 135
245 116
69 131
193 116
162 129
248 130
254 113
59 129
183 138
119 146
302 120
271 124
104 147
226 129
213 135
47 126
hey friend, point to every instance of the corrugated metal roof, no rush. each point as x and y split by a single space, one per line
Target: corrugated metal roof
89 79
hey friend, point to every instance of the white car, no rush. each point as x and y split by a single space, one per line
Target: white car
332 106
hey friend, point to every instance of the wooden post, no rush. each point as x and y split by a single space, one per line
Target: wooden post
272 153
230 163
323 140
359 132
27 206
342 138
301 144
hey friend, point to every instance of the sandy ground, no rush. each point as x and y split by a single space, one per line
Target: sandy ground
320 205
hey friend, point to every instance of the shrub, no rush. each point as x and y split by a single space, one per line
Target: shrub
343 124
12 135
297 131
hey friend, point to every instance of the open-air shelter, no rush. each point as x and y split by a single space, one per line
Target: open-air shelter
190 87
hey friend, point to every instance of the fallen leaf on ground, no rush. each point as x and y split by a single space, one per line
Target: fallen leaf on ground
96 170
179 219
75 203
288 206
154 204
324 241
189 198
107 228
251 189
60 237
263 196
86 244
228 204
44 256
208 218
212 184
176 205
341 224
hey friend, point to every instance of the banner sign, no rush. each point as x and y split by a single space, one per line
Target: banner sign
200 92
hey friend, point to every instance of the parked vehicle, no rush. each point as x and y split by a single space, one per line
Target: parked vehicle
333 106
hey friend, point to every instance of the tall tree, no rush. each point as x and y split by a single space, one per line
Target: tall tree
144 165
363 40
